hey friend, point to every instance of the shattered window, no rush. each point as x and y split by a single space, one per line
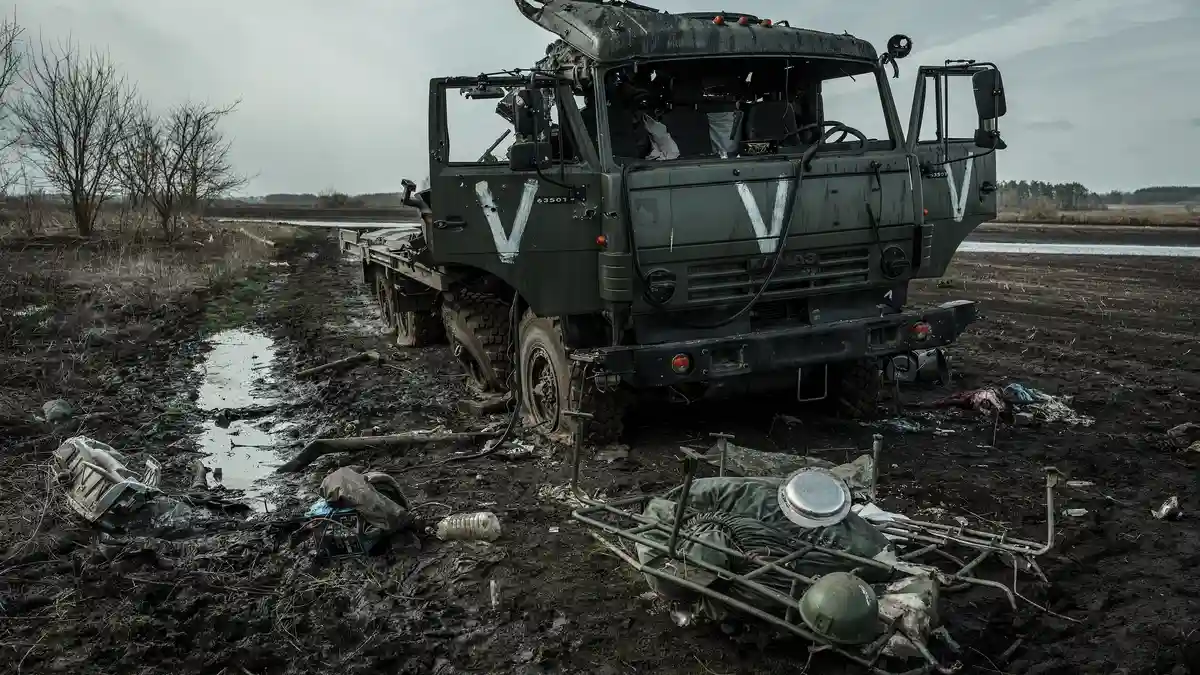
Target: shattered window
479 130
473 127
729 107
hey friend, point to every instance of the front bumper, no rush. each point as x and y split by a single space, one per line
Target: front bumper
781 350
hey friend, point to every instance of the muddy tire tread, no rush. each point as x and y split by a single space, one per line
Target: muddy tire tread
487 317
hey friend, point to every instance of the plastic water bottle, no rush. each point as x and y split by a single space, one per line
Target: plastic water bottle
479 526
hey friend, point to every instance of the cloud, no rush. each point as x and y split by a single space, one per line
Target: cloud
335 95
1050 125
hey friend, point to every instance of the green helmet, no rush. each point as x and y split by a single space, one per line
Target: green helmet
841 608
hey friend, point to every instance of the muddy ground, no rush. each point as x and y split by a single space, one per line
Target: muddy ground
231 595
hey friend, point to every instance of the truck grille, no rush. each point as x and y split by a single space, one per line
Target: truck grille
798 271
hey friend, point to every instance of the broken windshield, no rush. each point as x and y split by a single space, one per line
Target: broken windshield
736 107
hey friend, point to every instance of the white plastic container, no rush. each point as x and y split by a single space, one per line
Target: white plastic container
484 526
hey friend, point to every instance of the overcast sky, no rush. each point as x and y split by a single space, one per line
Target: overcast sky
334 94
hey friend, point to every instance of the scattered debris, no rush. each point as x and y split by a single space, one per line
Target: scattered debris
482 526
724 547
102 490
989 401
1185 435
357 513
488 405
1043 407
901 425
100 483
1075 513
57 411
1168 510
362 357
1080 484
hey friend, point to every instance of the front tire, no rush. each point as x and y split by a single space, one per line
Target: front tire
550 384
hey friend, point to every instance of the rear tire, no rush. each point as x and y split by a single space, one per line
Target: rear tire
550 384
477 327
419 328
856 389
411 327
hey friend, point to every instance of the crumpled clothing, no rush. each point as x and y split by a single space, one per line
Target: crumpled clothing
1018 393
1045 407
663 147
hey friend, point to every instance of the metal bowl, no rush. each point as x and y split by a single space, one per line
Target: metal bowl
814 498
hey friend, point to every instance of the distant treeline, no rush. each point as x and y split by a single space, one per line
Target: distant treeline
333 200
1034 194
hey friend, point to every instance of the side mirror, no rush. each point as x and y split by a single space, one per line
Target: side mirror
529 155
989 94
528 107
991 106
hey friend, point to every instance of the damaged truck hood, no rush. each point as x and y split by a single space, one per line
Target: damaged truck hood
610 33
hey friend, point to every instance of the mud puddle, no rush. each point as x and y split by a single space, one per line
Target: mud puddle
243 435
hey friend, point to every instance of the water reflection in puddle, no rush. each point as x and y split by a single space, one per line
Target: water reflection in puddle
237 377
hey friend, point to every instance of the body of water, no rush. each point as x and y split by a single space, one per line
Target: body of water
1080 249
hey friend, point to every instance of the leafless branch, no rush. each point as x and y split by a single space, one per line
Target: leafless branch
177 162
72 115
10 68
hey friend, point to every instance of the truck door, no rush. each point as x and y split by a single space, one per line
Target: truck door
956 174
536 230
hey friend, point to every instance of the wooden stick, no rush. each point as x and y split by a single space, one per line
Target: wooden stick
324 446
361 357
255 237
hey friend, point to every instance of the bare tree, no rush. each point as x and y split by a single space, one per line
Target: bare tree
175 163
10 68
137 157
208 171
74 112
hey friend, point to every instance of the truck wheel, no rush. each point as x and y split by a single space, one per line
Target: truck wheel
855 388
419 328
547 381
477 327
385 296
412 328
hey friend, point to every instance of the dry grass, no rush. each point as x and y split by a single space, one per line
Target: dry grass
127 266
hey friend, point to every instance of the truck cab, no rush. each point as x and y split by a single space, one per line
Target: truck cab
711 202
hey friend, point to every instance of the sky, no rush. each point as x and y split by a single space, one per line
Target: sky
334 95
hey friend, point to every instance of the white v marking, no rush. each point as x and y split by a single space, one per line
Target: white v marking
508 245
768 237
958 196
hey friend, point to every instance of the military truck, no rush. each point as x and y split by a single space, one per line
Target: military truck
678 209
